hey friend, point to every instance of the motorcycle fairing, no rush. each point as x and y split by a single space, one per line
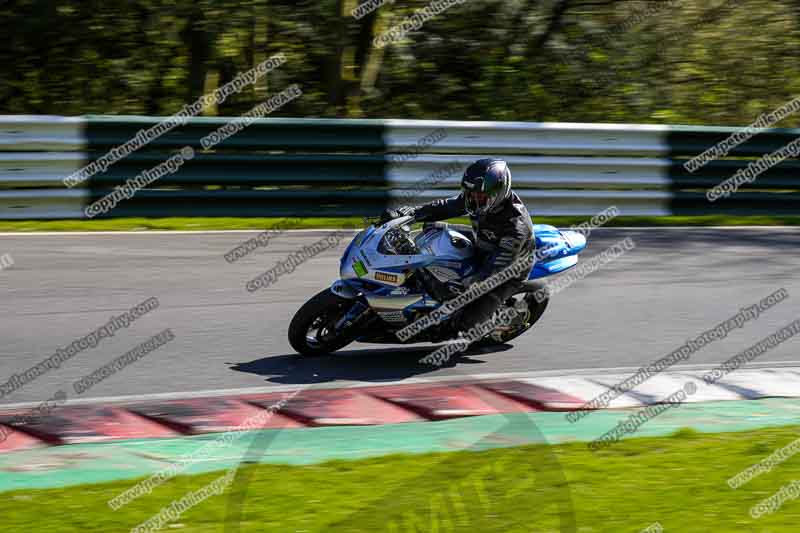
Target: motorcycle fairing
364 271
556 249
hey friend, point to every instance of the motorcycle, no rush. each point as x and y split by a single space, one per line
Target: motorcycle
392 276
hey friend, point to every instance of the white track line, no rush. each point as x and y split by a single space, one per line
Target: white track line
107 400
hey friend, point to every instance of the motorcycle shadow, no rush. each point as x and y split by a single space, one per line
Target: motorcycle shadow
369 365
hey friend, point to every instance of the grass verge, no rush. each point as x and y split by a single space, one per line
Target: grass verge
197 224
678 481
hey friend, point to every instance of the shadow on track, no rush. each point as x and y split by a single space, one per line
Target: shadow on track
370 365
462 499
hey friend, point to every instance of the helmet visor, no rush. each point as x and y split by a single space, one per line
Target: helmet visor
476 201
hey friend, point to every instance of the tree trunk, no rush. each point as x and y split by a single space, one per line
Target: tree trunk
198 43
258 49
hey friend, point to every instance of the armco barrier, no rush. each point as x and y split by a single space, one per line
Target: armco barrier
330 167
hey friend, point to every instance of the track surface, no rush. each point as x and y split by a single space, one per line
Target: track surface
674 285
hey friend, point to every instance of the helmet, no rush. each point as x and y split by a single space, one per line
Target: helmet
486 185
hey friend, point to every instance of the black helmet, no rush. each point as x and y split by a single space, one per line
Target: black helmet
486 185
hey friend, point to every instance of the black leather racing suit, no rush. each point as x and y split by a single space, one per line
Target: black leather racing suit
502 237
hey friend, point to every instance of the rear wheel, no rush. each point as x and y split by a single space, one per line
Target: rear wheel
311 331
531 307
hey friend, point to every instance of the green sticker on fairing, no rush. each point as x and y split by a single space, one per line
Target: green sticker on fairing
359 268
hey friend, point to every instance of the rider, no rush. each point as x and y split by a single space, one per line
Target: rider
502 230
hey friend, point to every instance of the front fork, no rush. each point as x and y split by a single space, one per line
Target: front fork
353 316
359 312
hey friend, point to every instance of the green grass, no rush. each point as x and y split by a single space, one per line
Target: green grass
678 481
177 223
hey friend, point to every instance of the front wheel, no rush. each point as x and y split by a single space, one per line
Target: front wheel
311 331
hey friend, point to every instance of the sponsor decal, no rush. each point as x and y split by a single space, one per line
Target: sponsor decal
393 316
359 268
389 278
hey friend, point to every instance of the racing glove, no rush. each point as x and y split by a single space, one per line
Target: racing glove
392 213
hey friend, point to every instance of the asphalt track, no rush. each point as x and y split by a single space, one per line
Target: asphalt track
674 285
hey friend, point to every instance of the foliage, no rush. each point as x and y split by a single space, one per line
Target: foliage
670 61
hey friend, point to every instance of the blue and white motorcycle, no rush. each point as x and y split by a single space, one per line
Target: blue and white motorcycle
392 275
